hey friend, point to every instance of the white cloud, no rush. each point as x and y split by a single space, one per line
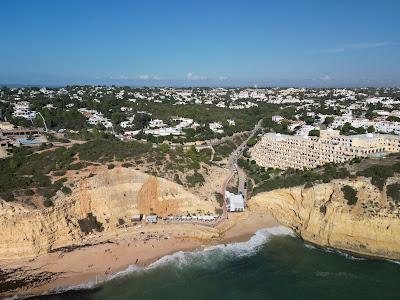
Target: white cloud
343 48
326 78
369 45
160 78
151 77
120 77
190 76
222 78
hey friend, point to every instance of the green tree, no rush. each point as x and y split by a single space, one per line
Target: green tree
251 142
393 119
309 120
164 147
314 132
371 129
329 120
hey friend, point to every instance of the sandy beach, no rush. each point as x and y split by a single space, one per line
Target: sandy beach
138 246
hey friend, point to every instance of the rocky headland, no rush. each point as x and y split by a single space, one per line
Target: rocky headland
322 215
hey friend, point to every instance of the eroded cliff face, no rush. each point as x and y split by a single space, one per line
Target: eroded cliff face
322 216
102 200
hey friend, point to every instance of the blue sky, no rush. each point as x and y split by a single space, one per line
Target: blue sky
302 43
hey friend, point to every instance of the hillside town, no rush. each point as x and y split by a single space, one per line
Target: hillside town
34 116
29 116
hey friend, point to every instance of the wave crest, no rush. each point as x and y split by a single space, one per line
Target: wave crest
209 257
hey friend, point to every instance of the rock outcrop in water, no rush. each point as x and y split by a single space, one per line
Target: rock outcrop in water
321 215
100 203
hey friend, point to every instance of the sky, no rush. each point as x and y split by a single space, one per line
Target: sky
200 43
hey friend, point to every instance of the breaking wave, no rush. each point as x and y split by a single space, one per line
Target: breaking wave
347 255
342 253
208 257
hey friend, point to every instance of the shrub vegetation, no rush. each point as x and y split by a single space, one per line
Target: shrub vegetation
393 191
350 194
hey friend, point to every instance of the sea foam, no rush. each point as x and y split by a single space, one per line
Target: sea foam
209 257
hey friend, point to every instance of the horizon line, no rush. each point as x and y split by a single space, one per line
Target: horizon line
255 86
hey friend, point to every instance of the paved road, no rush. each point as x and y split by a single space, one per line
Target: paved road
233 168
237 153
242 187
224 139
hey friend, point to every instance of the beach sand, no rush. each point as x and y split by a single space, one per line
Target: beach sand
245 225
139 246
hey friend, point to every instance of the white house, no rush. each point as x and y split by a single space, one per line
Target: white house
216 127
293 125
156 123
305 130
231 122
125 124
123 108
235 202
152 219
107 124
184 122
130 134
164 131
21 110
277 118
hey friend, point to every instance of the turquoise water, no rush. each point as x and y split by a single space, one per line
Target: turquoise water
266 267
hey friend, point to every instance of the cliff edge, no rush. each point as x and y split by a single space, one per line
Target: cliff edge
98 205
321 215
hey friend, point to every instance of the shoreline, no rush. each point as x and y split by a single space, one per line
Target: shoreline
101 262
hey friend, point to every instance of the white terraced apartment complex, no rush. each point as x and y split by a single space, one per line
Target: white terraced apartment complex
286 151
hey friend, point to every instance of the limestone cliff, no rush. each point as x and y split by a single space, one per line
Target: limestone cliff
321 215
101 202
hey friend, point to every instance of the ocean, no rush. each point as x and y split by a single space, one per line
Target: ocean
273 264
